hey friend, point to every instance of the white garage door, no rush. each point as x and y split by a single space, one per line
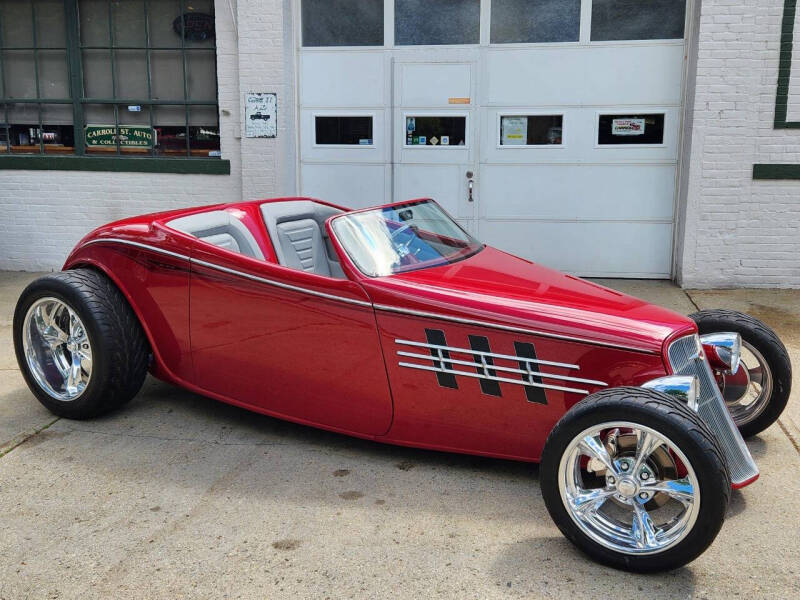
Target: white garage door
549 128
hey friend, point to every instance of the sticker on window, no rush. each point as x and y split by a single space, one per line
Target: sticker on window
627 127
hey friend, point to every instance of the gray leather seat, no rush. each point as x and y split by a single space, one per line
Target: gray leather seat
297 230
222 229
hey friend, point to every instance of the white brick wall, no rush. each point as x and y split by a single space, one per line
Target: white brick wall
44 213
739 232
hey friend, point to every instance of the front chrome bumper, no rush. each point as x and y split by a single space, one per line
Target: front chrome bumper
686 358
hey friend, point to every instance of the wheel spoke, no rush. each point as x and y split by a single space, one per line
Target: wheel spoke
74 375
592 446
756 375
643 530
680 489
588 502
646 444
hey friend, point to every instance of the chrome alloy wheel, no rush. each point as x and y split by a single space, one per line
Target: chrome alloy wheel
747 391
57 349
606 493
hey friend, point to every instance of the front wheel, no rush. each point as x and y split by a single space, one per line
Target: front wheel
759 390
635 479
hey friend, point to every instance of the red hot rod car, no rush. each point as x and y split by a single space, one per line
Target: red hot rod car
394 324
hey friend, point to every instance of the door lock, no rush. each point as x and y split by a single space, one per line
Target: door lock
470 186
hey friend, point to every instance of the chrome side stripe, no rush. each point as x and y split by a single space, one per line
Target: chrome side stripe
493 378
138 245
222 269
479 353
525 372
557 336
285 286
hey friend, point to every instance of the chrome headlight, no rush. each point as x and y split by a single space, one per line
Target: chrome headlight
722 350
682 387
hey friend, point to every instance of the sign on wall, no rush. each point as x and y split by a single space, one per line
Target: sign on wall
261 115
130 136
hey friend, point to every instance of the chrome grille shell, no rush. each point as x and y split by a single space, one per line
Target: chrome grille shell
686 358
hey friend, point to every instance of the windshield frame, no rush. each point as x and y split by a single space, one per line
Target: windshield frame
409 268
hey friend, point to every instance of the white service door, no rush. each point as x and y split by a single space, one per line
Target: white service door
436 131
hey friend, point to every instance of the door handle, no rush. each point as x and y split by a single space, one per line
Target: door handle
470 186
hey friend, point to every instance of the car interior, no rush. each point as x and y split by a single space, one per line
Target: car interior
296 229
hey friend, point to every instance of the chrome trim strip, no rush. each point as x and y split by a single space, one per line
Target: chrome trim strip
138 245
558 336
467 363
216 267
285 286
490 377
480 353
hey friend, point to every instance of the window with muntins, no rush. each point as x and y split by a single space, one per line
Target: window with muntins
130 78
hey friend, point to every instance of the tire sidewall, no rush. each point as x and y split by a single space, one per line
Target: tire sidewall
713 497
53 287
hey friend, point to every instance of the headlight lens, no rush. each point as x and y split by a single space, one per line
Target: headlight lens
723 350
683 387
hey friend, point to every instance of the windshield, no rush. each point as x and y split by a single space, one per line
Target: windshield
402 237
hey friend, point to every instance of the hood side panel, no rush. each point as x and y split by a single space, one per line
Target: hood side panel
495 287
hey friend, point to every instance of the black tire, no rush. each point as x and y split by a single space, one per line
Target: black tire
120 352
763 339
684 428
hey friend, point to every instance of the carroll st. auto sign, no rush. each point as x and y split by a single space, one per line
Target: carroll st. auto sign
130 136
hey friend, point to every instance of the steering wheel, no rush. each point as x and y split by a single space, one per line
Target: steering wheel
402 247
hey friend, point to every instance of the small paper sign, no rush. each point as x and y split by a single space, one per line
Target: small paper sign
627 127
434 140
445 140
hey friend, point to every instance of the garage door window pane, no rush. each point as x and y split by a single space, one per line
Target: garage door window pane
535 21
436 22
531 130
343 131
638 19
342 22
629 130
436 131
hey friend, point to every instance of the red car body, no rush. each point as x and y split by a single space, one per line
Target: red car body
325 352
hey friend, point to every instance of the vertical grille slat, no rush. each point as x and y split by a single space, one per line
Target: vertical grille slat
685 357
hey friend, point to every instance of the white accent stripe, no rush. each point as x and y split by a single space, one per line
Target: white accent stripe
441 359
285 286
492 378
558 336
490 354
216 267
138 245
383 307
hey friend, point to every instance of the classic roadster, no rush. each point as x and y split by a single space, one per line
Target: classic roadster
394 324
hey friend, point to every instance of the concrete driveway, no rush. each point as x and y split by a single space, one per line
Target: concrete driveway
178 496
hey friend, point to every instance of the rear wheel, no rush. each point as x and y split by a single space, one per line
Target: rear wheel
635 479
759 390
78 343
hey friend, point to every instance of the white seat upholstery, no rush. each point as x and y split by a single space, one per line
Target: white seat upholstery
302 246
222 229
297 230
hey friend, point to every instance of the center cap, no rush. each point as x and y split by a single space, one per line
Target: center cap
627 488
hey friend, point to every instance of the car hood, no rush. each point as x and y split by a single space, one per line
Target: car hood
502 289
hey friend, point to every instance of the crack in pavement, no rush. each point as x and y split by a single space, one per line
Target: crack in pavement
793 439
24 436
689 297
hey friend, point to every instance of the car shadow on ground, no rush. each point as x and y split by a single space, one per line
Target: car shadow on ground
550 561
